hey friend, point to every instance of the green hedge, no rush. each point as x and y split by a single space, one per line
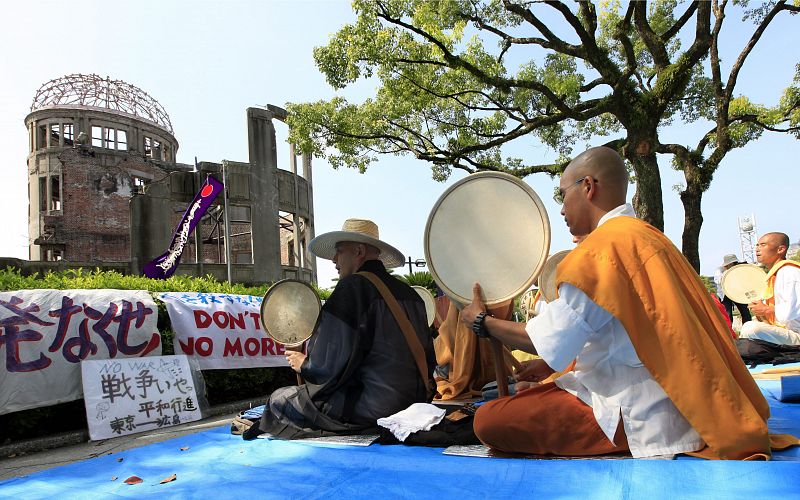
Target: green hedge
222 386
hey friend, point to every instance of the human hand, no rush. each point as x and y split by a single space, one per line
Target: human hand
759 308
295 359
534 370
522 385
472 309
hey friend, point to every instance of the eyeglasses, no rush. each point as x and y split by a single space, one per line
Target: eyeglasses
558 194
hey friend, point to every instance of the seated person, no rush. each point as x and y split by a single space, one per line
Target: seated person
359 365
465 362
655 370
780 310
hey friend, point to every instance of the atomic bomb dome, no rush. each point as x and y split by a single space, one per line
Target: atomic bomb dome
95 92
104 188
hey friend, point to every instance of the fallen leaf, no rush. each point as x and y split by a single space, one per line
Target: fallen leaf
120 459
133 480
169 479
184 448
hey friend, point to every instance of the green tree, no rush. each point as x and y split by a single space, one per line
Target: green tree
736 122
423 279
458 81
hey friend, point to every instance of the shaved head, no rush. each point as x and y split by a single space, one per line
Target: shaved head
779 238
771 248
608 167
593 184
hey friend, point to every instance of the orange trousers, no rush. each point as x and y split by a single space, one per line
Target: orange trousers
544 420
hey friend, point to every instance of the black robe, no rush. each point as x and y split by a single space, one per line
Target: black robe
359 367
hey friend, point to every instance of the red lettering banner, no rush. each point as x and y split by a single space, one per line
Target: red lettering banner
221 330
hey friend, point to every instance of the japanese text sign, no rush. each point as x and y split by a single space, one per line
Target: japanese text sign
221 330
45 334
125 396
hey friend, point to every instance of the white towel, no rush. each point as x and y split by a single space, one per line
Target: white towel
417 417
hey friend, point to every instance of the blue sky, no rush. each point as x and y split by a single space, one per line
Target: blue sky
206 62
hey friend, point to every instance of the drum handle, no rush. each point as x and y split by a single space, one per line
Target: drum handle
297 348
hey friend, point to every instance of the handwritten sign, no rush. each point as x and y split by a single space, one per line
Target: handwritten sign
45 334
127 396
221 330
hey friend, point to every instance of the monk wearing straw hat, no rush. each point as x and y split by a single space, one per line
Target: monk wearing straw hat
371 353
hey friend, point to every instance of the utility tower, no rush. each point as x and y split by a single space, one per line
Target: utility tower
747 237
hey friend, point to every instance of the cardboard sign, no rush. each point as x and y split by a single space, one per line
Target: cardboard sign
221 330
126 396
45 334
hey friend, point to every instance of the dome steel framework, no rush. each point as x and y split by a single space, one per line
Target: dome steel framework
94 91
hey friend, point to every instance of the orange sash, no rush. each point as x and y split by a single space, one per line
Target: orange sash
634 272
769 292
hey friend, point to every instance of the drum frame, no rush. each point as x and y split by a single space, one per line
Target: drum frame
271 289
457 297
762 285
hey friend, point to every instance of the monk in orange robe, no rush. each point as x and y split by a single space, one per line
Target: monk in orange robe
655 371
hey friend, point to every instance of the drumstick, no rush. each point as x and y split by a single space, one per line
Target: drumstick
296 348
499 368
782 370
514 362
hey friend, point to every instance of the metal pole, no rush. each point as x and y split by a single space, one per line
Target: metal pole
296 215
198 243
227 220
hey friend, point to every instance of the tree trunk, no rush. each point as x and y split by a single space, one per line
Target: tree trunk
647 201
692 198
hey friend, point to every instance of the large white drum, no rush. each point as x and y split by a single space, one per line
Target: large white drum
429 300
547 280
526 305
489 228
289 312
744 283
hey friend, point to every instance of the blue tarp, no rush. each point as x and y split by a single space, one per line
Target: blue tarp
216 464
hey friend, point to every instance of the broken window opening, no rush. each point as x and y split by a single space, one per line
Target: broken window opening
55 193
97 136
122 140
41 137
109 139
53 254
68 134
139 184
55 135
43 194
152 148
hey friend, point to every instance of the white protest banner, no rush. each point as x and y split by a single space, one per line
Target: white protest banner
221 330
126 396
45 334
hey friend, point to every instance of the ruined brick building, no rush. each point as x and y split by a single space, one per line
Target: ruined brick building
105 189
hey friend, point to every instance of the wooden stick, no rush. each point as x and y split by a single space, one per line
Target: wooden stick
296 348
499 368
786 369
514 362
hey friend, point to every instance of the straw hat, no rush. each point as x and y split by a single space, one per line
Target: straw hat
359 231
730 259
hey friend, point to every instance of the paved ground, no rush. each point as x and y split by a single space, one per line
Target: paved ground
23 458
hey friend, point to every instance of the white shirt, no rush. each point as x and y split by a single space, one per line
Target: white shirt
718 282
787 297
608 375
